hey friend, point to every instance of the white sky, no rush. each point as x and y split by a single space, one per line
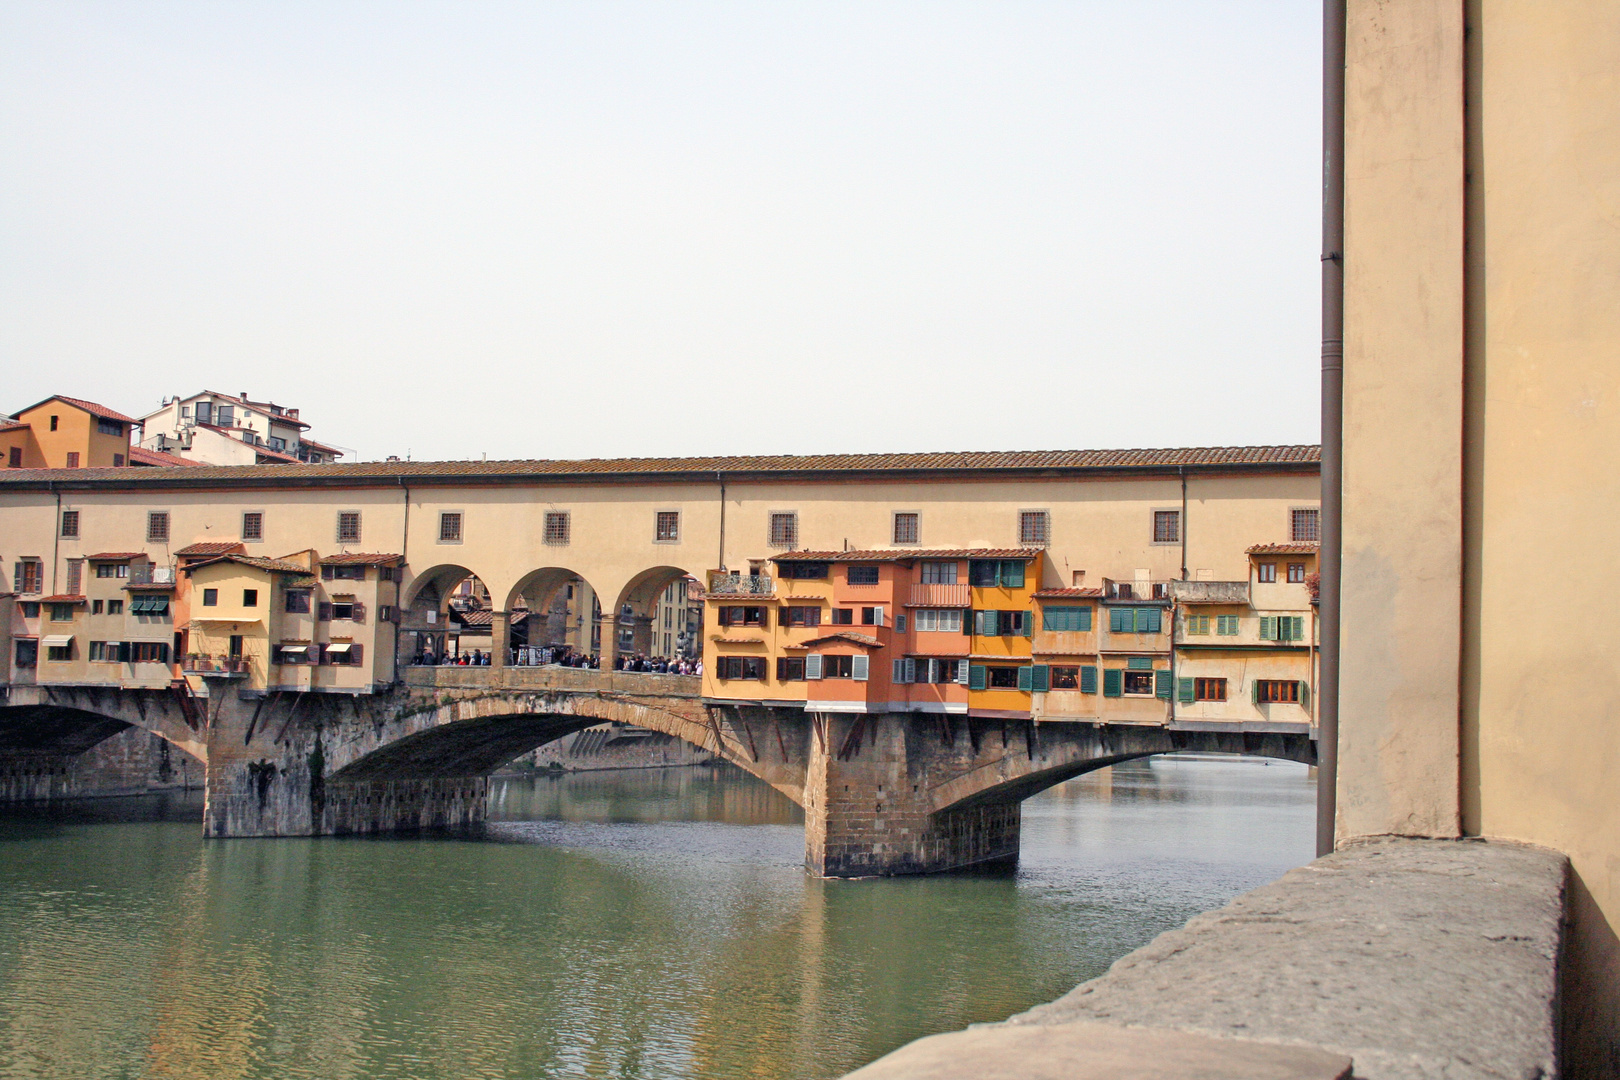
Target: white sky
665 228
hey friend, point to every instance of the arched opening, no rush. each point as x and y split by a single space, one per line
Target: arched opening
52 751
555 616
658 618
447 616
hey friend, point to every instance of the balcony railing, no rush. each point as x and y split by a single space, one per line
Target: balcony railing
1210 592
1137 590
741 584
216 665
147 574
940 596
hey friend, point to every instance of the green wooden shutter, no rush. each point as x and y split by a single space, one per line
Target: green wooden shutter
1161 685
1296 628
1088 678
976 677
1040 677
1084 619
1026 678
1029 623
1184 690
1139 663
1254 692
1119 620
1012 573
1149 620
1113 682
1268 628
1051 619
1305 694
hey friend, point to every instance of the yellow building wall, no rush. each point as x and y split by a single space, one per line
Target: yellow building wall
75 431
212 627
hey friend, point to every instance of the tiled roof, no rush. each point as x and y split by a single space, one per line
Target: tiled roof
1285 549
1068 594
1024 461
360 558
140 455
114 556
62 598
903 554
847 635
736 640
318 445
7 424
88 406
277 565
266 452
211 547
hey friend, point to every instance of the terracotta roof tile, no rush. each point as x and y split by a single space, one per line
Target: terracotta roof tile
8 424
62 598
846 635
212 547
88 406
903 554
276 565
114 556
1023 461
1068 594
1285 549
360 558
140 455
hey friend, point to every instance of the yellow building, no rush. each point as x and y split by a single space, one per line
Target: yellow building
68 433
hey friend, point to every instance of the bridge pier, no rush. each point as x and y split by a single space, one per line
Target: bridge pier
870 794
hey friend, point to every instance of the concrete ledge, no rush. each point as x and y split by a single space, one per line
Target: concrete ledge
1415 958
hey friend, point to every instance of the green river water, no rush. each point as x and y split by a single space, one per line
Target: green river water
637 924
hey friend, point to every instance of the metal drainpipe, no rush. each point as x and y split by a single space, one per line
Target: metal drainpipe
1328 565
404 561
720 478
56 541
1182 469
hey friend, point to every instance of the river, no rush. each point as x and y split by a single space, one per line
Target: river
639 924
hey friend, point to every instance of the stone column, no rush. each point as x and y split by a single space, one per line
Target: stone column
500 636
641 634
867 805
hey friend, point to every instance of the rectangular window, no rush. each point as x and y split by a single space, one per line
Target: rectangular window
30 609
1305 525
871 616
1209 689
59 653
784 530
115 607
1002 678
73 459
1296 573
225 415
61 613
862 575
843 617
352 572
1138 683
450 527
205 412
802 616
558 528
742 616
75 577
838 667
1226 625
667 527
70 524
148 652
906 529
348 527
27 575
100 654
1065 678
1145 620
790 669
253 526
1276 692
118 461
984 573
1197 625
1167 526
250 597
14 458
96 607
157 527
1266 572
1065 620
109 427
210 598
803 571
1034 528
939 573
947 620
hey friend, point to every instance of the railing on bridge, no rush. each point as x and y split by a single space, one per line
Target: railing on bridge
726 584
554 677
1136 590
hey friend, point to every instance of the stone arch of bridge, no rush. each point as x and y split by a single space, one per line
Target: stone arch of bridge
67 721
474 735
540 590
430 588
636 600
1015 778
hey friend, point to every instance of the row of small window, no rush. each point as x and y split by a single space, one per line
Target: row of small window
982 573
15 457
140 605
1272 627
1266 572
128 652
856 668
337 654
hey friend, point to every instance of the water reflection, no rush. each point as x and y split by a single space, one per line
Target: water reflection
635 924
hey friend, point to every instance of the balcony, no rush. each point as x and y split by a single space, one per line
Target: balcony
724 584
1137 590
1210 592
216 666
143 573
955 596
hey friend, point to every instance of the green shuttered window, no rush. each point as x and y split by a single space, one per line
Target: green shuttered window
1088 679
1040 677
1066 620
1161 685
976 677
1113 682
1184 691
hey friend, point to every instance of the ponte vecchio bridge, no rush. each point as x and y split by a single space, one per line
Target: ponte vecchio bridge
380 745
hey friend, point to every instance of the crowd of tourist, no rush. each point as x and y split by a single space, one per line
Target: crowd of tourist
562 656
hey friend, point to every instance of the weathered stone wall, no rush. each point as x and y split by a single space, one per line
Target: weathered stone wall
607 747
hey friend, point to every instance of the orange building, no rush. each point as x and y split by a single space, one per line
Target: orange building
67 433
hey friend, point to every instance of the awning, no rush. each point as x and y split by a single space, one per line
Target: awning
56 641
339 650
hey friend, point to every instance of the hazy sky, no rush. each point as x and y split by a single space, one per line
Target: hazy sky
592 229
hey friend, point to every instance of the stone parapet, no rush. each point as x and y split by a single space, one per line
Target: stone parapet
1413 958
